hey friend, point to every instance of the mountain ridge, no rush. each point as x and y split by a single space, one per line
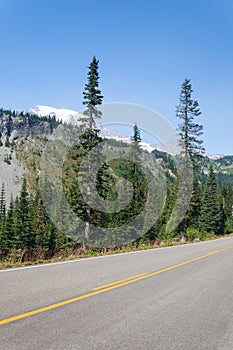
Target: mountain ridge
24 135
72 117
69 116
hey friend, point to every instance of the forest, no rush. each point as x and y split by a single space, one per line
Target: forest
27 232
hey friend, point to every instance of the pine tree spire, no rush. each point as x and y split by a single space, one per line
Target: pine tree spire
190 131
92 94
92 99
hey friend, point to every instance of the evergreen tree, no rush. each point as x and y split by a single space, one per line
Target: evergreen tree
210 220
222 215
50 238
2 205
195 204
40 219
190 142
136 138
92 93
137 177
9 227
16 230
3 238
136 151
190 131
26 235
228 209
90 137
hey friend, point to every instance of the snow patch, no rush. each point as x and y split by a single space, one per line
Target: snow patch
67 116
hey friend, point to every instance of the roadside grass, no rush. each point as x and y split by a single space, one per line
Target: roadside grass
71 253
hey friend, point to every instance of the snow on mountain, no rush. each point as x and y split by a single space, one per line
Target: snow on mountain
72 117
148 146
107 133
215 156
67 116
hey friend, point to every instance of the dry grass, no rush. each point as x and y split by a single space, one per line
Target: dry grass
79 253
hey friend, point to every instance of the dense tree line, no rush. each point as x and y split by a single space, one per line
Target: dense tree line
28 118
25 226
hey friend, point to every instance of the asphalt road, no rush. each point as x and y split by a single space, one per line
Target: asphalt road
170 298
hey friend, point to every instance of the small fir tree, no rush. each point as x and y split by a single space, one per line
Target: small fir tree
210 213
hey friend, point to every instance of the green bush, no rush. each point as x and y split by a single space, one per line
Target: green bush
193 233
229 225
7 159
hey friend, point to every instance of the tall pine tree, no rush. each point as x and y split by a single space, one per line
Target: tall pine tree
190 132
90 134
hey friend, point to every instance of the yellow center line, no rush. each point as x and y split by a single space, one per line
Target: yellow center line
111 286
120 281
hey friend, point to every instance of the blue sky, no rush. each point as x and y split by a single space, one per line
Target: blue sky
146 49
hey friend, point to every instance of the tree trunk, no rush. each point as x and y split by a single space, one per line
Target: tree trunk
87 227
184 231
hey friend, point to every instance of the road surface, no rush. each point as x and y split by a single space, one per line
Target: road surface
171 298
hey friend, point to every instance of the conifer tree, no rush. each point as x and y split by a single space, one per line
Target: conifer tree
210 213
40 219
189 130
24 219
195 204
228 208
137 177
92 99
3 238
228 201
136 151
92 93
222 215
50 238
2 205
9 227
17 233
90 137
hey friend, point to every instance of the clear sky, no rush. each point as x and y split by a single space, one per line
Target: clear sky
146 49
